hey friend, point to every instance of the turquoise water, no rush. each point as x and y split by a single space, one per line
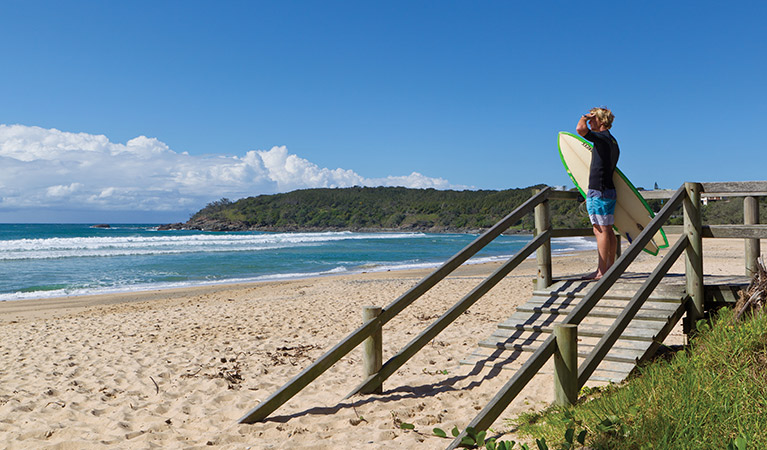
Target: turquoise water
48 260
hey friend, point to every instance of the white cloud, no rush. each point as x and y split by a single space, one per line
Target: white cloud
62 191
42 168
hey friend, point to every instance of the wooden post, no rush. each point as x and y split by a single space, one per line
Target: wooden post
372 349
543 255
541 355
751 217
350 342
566 364
694 253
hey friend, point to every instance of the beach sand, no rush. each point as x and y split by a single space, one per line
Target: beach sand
178 368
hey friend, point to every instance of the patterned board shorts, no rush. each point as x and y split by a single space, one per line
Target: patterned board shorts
601 206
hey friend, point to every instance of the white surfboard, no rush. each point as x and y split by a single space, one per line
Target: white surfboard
632 214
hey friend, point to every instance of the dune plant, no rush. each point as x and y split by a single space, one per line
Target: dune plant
711 396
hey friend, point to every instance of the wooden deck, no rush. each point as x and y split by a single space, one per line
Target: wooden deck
517 337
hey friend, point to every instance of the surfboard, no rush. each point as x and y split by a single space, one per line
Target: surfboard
632 213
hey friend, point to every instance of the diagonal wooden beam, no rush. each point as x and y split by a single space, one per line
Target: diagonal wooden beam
324 362
395 362
520 379
627 315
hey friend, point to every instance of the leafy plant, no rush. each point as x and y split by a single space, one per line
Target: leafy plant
739 443
713 393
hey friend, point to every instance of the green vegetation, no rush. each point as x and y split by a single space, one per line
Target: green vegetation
712 396
393 208
396 208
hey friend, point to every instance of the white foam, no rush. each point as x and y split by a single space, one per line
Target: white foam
53 248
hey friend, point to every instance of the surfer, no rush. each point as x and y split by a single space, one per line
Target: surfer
601 196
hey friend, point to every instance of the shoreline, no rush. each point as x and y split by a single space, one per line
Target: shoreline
52 306
43 271
179 368
157 291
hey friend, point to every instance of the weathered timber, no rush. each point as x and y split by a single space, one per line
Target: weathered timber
753 231
635 333
735 188
608 371
577 290
565 195
448 317
629 313
717 189
725 294
694 252
566 365
753 248
748 232
625 355
372 348
520 320
598 311
543 254
625 349
324 362
512 388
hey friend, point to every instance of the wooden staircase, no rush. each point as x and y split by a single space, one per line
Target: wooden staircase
517 337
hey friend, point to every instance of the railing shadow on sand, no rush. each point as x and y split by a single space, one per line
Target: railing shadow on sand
688 197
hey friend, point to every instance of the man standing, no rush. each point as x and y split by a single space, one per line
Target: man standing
601 196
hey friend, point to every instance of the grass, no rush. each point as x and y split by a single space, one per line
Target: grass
711 396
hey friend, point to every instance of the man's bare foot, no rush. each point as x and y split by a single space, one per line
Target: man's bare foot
592 276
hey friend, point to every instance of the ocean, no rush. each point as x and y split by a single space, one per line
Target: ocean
59 260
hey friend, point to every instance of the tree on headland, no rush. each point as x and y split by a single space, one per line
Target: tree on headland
403 209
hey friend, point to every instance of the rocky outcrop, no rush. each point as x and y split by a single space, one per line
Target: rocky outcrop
210 224
206 224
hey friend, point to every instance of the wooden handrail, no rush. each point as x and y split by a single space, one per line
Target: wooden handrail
531 367
512 388
627 315
448 317
622 263
718 189
324 362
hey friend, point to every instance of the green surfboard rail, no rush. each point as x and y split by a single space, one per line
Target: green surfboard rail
620 174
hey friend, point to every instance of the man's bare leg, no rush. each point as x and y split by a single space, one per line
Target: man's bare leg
606 248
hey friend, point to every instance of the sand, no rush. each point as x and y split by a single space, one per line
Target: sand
178 368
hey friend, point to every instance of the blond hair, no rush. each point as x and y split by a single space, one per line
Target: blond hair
604 115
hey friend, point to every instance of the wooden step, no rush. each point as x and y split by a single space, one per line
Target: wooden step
634 333
619 353
597 311
608 371
674 297
548 320
626 287
516 338
666 305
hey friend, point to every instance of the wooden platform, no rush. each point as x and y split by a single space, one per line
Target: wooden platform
517 337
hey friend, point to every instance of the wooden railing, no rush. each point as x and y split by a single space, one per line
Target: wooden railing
369 328
751 230
689 196
690 243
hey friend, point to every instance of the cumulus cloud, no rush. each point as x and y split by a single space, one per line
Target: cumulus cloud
42 168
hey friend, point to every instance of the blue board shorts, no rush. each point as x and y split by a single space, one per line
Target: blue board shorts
601 206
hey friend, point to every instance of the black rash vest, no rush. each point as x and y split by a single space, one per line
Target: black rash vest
604 158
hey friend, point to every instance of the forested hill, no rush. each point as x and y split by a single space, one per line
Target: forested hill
380 208
396 208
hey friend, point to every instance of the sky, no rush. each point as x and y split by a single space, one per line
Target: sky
145 111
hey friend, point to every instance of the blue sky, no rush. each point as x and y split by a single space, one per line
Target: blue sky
146 111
